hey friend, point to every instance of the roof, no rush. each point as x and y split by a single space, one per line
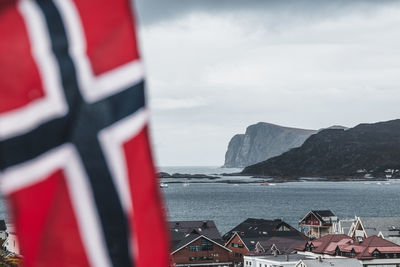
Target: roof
184 232
321 215
280 258
332 244
3 226
257 229
389 226
284 245
332 262
326 244
194 238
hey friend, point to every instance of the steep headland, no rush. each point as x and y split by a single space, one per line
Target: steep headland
367 150
261 142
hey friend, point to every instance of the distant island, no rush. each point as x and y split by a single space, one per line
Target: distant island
365 151
186 175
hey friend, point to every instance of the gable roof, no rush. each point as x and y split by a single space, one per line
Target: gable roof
330 244
253 229
236 234
194 238
283 244
327 244
184 232
321 215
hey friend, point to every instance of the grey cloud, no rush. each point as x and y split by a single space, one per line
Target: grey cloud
154 11
215 67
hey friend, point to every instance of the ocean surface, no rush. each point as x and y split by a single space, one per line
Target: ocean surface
230 204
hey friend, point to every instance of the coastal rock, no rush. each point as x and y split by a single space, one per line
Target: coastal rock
261 142
371 150
186 175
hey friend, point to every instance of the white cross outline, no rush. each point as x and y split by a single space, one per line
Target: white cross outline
111 140
64 157
53 104
94 88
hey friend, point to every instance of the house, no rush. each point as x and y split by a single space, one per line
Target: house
278 245
289 260
385 227
320 262
319 223
3 230
10 245
371 251
345 226
197 243
243 238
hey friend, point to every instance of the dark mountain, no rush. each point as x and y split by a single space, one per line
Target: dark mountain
261 142
362 150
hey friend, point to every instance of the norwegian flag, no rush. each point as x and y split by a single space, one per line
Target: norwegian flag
75 160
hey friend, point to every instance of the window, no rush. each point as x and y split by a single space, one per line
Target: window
206 245
204 258
375 253
237 255
283 228
237 245
194 248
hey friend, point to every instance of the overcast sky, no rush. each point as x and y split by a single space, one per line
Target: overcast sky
214 67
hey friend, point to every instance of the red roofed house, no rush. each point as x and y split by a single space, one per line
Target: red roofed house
372 251
319 223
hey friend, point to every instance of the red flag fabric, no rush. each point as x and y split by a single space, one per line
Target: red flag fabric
75 159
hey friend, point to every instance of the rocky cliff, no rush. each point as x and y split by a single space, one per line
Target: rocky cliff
261 142
365 150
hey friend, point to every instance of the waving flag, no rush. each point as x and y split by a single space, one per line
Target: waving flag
75 159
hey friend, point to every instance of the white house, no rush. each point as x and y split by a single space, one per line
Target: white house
329 263
289 260
11 244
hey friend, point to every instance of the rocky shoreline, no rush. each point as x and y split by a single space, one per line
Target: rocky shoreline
204 178
166 175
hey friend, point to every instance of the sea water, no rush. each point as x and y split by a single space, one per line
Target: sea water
230 204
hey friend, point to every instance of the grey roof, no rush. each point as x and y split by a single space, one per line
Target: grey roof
252 242
332 263
259 229
282 258
389 226
283 244
183 232
323 213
